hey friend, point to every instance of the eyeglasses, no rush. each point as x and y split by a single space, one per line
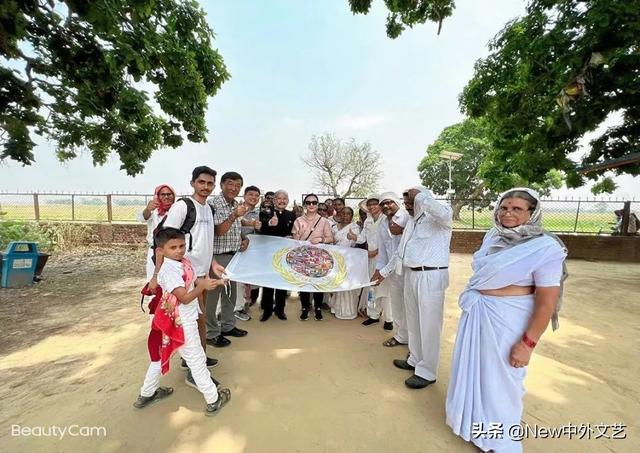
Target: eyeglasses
322 209
515 210
166 195
386 203
309 203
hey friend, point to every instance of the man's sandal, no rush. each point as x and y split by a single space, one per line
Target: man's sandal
391 342
160 393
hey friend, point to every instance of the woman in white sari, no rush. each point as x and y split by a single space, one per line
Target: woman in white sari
515 290
344 304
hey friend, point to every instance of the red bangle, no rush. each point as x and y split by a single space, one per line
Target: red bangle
528 341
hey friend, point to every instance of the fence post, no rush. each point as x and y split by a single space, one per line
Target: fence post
624 225
473 214
109 209
575 225
36 206
73 207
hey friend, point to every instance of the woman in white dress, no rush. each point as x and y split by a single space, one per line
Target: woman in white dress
344 304
516 288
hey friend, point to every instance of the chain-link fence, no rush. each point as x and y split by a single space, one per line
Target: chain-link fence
591 216
594 216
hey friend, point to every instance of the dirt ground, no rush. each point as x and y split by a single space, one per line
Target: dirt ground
73 354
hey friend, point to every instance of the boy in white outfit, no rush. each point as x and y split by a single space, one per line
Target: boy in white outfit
177 317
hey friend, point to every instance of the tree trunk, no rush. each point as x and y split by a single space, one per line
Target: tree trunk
457 206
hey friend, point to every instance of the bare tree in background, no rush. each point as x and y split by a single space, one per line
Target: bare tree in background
343 168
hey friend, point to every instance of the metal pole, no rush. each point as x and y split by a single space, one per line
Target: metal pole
473 214
73 207
575 225
109 209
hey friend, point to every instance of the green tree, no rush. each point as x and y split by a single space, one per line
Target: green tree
76 72
472 139
553 76
343 168
407 13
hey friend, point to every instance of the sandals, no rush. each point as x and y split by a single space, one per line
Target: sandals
224 396
160 393
391 342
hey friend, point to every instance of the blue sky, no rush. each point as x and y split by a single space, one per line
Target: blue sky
301 68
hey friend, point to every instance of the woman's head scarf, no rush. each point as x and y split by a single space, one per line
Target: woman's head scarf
163 207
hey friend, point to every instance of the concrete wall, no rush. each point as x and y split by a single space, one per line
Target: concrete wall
603 248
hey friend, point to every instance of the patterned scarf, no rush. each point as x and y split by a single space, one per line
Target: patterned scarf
167 319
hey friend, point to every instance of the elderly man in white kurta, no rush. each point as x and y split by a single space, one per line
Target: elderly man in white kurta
423 257
369 234
392 287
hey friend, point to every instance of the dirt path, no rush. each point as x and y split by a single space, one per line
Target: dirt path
74 353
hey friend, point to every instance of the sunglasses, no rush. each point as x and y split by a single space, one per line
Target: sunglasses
310 203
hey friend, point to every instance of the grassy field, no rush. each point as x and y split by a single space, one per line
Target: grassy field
587 222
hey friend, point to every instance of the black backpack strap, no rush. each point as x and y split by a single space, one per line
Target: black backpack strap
189 220
142 304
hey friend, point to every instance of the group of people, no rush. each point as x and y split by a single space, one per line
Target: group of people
514 292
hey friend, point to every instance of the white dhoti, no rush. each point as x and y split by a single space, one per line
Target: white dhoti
344 304
150 266
380 303
395 284
424 301
484 388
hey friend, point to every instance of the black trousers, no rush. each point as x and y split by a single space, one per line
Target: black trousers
305 299
267 300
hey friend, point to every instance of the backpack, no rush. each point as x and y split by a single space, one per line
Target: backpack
189 222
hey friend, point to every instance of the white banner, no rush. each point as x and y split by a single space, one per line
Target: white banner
281 263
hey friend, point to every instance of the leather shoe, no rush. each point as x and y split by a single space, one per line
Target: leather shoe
369 321
235 332
281 316
388 326
265 316
403 365
416 382
218 342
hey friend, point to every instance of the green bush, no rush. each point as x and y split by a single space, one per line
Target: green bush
49 236
15 230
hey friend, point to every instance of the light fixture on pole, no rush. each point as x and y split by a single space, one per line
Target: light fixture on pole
450 156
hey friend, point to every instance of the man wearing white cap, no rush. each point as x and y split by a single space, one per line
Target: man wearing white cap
390 291
423 257
369 234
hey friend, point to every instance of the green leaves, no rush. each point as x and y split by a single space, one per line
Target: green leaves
407 13
553 76
81 85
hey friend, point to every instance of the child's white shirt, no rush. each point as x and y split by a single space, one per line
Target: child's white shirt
170 278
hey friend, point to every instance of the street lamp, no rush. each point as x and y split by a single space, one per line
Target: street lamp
450 156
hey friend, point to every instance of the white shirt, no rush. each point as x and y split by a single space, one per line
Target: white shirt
369 232
388 243
170 278
427 236
202 234
340 235
152 223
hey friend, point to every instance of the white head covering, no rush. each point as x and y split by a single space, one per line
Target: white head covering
391 196
363 204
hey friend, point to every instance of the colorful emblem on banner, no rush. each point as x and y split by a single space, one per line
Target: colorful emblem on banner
309 265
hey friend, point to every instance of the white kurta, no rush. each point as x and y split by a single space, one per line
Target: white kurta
344 304
484 388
